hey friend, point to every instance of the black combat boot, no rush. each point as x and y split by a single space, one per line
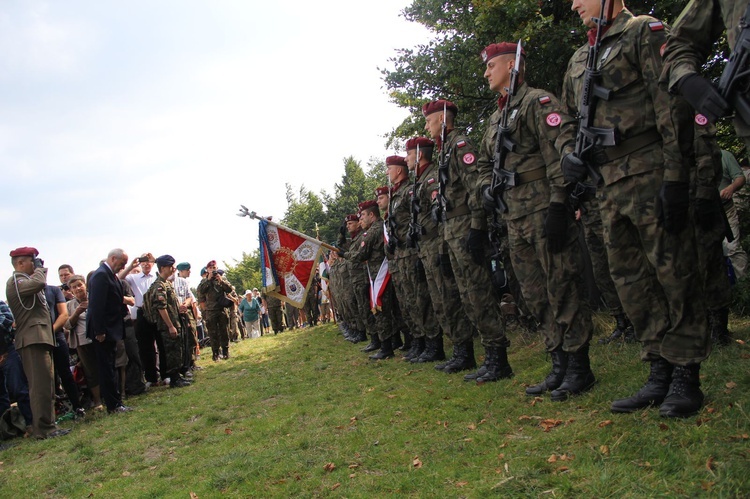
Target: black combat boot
373 345
685 397
386 350
396 340
578 377
417 347
463 360
407 342
225 352
555 378
478 373
433 351
623 329
719 326
215 355
652 393
457 352
496 365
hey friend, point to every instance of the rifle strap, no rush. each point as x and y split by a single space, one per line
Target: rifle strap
532 176
604 155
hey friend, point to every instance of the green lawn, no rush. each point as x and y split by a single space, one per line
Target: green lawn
306 414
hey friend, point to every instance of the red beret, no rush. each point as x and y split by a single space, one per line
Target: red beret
25 251
419 141
497 49
367 204
212 263
437 106
381 191
352 217
396 160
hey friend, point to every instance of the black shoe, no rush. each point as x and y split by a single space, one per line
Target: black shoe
407 342
373 345
396 341
433 350
57 433
386 350
555 378
225 352
623 329
478 373
719 321
119 409
417 347
178 382
578 377
496 365
685 397
215 356
652 393
462 360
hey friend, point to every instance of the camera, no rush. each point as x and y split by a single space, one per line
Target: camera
65 287
38 263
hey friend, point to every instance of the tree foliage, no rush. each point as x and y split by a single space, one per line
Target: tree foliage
245 273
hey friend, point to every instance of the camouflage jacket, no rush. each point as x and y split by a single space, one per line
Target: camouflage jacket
401 213
212 291
369 248
356 270
541 131
162 296
461 188
708 169
630 63
427 189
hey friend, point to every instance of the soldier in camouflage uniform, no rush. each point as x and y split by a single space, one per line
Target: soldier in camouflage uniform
542 231
464 228
275 313
401 321
689 45
360 288
347 295
211 291
652 254
163 307
369 251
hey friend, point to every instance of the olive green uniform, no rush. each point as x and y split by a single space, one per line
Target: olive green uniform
216 318
162 296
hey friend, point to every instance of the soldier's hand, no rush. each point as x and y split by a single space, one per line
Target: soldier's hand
391 246
173 332
703 96
488 199
708 213
475 245
573 168
556 227
674 199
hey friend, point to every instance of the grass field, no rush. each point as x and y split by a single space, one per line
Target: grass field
305 414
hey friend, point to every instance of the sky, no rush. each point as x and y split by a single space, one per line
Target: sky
145 124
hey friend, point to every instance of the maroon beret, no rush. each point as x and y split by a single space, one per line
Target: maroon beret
395 160
25 251
367 204
437 106
381 191
352 217
212 263
497 49
419 141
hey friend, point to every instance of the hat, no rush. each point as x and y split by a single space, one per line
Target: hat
165 261
352 217
146 257
437 106
25 251
255 289
220 271
497 49
212 263
419 141
183 266
396 160
204 271
367 204
248 292
381 191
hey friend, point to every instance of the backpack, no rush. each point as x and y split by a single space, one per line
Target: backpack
149 313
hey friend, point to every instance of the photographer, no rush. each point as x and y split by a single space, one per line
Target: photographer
212 297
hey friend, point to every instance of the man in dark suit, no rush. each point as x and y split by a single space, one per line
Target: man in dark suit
105 326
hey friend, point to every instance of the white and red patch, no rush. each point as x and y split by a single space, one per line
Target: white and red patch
468 158
545 100
656 26
363 243
430 181
553 119
434 195
701 120
461 143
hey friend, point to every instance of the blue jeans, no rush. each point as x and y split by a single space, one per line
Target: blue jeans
13 385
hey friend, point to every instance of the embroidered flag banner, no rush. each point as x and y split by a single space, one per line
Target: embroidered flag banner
289 261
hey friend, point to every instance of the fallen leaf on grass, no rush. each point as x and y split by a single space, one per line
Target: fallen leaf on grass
562 469
524 417
335 486
700 421
710 463
193 495
604 449
370 389
391 396
125 473
710 410
605 423
472 426
501 456
503 482
663 427
416 462
329 467
462 484
354 465
228 431
352 475
731 385
353 419
741 342
548 424
707 485
552 459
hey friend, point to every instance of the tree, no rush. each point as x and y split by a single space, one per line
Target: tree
245 273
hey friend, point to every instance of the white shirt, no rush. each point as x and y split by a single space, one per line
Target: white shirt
182 289
139 284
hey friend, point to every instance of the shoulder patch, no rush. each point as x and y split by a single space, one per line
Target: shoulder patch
656 26
545 99
460 143
362 245
701 120
468 158
553 119
430 181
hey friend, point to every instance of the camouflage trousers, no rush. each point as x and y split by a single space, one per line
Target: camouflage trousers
172 361
717 290
656 273
277 323
400 320
234 329
380 321
362 313
591 218
190 339
217 323
551 283
413 295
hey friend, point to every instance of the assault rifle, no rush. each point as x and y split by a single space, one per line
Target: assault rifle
442 205
414 234
733 84
589 136
391 226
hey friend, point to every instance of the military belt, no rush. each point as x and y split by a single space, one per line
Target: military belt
603 155
532 176
430 234
458 211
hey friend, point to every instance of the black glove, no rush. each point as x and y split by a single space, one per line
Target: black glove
556 227
419 269
573 168
708 213
391 246
445 265
703 96
674 201
475 245
488 199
